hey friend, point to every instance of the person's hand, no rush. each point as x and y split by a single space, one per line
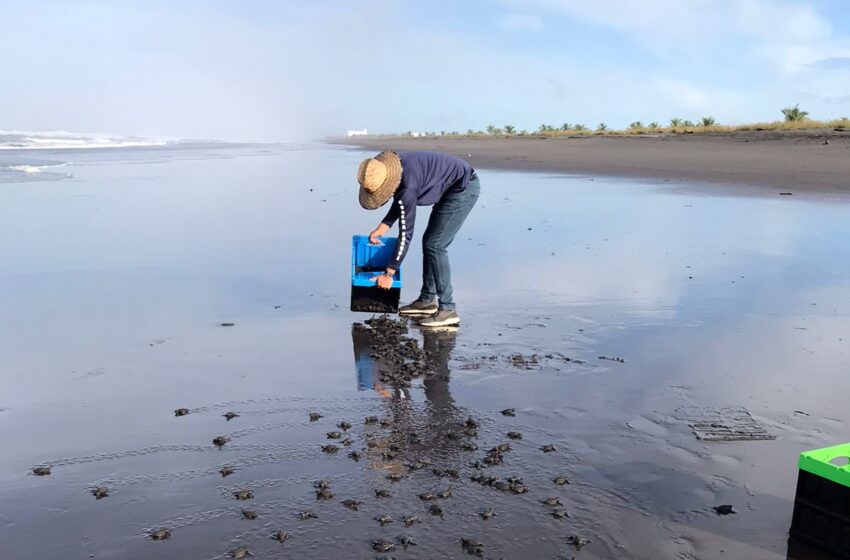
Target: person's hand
378 232
383 281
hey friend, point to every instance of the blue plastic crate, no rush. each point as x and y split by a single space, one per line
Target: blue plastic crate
368 261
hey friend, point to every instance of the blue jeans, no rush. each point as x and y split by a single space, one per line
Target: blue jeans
446 218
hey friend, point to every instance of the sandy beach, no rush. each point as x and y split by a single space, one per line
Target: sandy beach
814 161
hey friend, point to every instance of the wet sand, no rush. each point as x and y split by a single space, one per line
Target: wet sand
803 162
611 318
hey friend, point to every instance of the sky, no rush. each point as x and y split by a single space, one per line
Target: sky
266 70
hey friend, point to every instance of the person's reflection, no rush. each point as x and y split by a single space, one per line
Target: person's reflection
410 434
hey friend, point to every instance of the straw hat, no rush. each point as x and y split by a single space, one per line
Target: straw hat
379 178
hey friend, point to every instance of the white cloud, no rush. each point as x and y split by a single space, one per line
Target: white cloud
521 22
682 94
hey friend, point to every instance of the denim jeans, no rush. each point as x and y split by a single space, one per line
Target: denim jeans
446 218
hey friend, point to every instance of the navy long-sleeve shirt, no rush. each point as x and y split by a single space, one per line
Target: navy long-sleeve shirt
425 178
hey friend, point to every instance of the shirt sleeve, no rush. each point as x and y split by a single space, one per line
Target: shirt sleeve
392 214
406 205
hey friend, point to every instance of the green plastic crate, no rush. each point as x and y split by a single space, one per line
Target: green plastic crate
822 505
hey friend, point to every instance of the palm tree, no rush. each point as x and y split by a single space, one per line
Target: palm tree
707 121
509 129
523 132
497 131
601 127
636 125
545 128
579 128
491 129
794 114
470 132
688 124
566 126
654 124
676 121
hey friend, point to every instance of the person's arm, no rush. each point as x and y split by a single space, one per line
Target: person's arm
406 204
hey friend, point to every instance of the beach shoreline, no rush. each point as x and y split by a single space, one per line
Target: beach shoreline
814 162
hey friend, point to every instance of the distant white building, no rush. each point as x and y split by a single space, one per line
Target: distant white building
363 132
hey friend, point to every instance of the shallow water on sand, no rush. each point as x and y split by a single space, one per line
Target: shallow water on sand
115 280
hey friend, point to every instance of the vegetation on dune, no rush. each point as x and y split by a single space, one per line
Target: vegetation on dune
794 118
794 114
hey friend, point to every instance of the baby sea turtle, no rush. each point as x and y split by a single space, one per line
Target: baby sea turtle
381 493
388 455
487 513
435 510
226 471
472 546
160 534
241 553
321 484
561 480
469 446
410 520
344 426
471 423
427 496
561 514
384 423
384 519
100 492
725 510
406 540
227 324
245 494
249 514
501 448
577 541
324 494
382 545
330 449
220 440
514 435
230 416
314 416
370 420
281 536
307 514
355 455
352 504
334 435
181 412
548 448
509 412
445 494
41 471
347 442
395 477
552 501
448 473
519 488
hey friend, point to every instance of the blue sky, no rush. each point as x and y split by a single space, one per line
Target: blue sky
277 70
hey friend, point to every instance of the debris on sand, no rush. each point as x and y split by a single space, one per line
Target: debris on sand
725 509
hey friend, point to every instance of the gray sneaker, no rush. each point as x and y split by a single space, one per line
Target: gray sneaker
442 318
418 307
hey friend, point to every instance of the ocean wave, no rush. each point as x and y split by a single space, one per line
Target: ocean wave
60 139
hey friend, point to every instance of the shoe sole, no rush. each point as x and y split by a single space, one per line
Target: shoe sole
417 312
444 323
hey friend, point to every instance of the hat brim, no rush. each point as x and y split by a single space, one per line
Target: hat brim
376 199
